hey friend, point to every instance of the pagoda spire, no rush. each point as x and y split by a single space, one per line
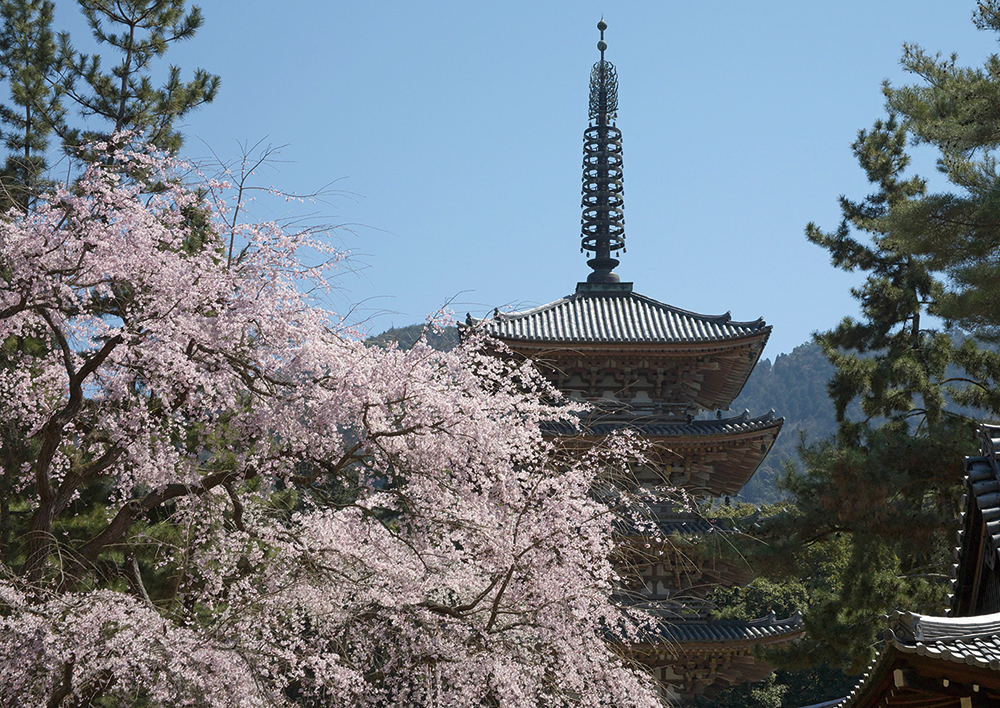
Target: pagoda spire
603 230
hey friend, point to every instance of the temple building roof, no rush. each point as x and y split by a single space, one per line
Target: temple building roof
966 640
694 524
933 661
701 657
945 662
618 315
976 575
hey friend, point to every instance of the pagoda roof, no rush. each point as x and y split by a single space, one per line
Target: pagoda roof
674 631
615 314
696 524
738 438
653 427
691 525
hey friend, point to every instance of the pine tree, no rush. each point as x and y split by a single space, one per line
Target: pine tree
874 507
60 98
56 91
125 98
956 111
28 62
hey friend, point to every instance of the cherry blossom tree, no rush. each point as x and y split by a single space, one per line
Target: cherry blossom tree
217 495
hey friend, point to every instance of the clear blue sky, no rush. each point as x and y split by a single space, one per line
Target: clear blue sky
459 127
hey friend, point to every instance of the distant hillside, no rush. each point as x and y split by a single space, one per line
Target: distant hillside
794 386
443 339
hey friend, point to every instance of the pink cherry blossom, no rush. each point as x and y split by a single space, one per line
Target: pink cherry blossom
347 525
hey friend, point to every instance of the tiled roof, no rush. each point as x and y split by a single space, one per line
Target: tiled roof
964 640
970 641
981 505
985 487
651 427
687 525
617 317
701 631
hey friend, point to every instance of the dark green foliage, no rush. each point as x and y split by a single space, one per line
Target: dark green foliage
760 598
124 98
48 80
956 111
785 689
28 63
44 77
788 687
875 505
769 693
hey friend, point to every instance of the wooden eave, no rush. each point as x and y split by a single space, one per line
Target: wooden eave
706 668
682 564
743 452
904 680
684 649
734 358
665 349
978 552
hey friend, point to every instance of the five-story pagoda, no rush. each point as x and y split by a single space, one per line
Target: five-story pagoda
653 368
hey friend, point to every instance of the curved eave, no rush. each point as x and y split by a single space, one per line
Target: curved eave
909 679
739 445
684 635
922 650
683 542
983 484
978 535
695 572
616 318
693 431
702 643
691 526
667 348
737 376
725 364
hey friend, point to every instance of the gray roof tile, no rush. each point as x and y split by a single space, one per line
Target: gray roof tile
617 317
686 525
653 427
982 479
972 641
709 630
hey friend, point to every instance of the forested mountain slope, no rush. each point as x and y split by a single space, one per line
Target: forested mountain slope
441 338
794 386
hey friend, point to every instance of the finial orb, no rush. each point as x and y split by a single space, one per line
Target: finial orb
602 25
602 45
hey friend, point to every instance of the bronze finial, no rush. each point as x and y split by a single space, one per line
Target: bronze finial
603 220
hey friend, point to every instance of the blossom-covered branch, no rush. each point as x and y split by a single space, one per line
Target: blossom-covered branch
221 497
